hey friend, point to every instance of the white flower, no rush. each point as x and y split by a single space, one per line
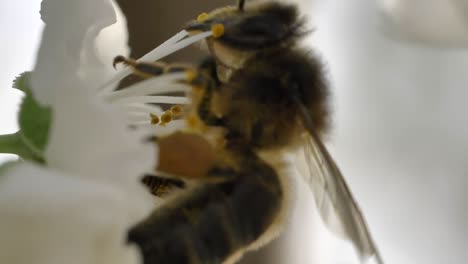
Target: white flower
50 217
79 207
435 22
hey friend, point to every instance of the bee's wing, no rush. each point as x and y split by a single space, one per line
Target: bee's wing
334 199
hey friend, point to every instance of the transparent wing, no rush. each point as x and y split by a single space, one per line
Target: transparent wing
334 200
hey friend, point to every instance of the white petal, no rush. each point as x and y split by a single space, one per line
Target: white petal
70 26
112 41
50 218
88 137
101 45
435 22
91 139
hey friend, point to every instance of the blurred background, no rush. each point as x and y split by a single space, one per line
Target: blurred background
400 124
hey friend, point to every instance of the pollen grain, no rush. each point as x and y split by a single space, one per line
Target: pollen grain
166 118
190 75
154 119
202 17
176 110
217 30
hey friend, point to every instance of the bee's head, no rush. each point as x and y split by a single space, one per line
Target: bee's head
253 27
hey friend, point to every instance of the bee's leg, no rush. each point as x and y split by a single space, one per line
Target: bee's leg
214 221
205 83
205 113
149 69
189 156
205 80
161 186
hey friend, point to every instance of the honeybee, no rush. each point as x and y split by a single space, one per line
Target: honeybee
269 96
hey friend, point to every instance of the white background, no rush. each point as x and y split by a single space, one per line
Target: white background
400 132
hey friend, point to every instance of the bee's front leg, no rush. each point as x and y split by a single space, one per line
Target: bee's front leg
205 83
150 69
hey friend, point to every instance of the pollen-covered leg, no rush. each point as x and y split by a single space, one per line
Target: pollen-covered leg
187 155
142 69
205 83
150 69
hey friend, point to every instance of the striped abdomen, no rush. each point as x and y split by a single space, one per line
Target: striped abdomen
213 221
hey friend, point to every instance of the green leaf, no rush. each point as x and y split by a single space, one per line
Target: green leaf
34 119
14 144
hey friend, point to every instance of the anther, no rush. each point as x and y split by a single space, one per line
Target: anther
217 30
154 119
202 17
176 110
166 118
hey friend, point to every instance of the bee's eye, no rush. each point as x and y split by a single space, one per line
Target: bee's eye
255 32
269 26
261 26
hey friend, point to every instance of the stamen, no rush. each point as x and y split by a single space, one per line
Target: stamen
154 99
142 109
186 42
161 84
140 124
154 119
140 117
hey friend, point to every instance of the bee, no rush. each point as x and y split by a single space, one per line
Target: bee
269 96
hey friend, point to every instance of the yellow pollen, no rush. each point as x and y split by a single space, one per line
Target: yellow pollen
218 30
166 118
193 121
154 119
202 17
197 89
176 110
190 75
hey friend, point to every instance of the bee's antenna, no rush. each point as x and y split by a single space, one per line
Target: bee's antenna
240 4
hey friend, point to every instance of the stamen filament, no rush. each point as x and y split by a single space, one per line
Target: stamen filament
143 109
154 54
141 117
141 123
186 42
162 84
154 99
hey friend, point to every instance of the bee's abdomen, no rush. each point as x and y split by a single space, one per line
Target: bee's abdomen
214 221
